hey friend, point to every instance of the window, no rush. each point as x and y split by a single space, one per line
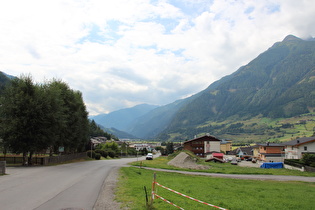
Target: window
305 148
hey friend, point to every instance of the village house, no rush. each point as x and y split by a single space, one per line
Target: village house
271 152
243 151
97 140
296 148
203 146
226 146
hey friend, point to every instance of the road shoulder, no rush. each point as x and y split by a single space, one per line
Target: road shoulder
106 198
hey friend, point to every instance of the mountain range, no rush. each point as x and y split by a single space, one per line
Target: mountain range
279 83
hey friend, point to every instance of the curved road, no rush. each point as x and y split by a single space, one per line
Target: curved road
76 186
69 186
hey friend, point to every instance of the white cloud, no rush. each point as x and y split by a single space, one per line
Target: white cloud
121 53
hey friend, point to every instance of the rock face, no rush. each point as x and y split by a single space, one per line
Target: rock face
183 160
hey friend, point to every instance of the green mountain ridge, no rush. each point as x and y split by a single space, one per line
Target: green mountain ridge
265 99
279 83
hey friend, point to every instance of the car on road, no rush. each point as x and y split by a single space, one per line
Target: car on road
149 156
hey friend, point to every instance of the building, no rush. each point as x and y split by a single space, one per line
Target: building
203 146
271 152
243 151
226 146
296 148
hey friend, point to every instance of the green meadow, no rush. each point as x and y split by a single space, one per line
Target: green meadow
226 193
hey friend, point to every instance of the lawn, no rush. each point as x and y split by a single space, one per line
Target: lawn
226 193
225 168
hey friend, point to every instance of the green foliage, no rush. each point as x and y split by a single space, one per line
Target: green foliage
111 153
4 80
169 148
97 156
96 131
308 159
90 153
35 117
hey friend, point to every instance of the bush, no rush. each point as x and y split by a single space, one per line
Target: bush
308 159
111 154
98 151
89 154
97 156
104 154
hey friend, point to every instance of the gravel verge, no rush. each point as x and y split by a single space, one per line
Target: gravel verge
106 199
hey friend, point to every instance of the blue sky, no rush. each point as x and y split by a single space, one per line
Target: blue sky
120 53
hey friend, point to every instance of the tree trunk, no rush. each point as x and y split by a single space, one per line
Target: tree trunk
30 159
24 159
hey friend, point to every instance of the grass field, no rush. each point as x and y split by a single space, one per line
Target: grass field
227 193
225 168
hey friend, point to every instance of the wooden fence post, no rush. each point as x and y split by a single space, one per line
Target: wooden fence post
153 188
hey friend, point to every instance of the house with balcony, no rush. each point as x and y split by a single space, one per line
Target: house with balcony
271 152
203 146
296 148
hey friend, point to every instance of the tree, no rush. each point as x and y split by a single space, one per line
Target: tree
169 148
74 129
22 118
36 117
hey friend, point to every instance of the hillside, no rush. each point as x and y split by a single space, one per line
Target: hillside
123 118
279 83
4 79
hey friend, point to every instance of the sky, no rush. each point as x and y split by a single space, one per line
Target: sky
120 53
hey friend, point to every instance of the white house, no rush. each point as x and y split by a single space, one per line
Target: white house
296 148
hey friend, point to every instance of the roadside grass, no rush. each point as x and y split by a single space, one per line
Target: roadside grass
227 193
224 168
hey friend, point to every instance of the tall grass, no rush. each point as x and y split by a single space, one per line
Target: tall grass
228 193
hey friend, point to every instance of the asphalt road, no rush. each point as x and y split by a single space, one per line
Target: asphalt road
70 186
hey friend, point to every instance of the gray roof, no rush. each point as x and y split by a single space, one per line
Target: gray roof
299 141
271 145
273 154
205 138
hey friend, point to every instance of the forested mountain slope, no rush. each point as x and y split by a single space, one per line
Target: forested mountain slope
4 79
278 83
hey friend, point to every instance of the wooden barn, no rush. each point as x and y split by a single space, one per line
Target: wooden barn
203 146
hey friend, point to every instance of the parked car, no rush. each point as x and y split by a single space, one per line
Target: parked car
149 156
234 161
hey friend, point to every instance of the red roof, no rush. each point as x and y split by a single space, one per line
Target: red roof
217 154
